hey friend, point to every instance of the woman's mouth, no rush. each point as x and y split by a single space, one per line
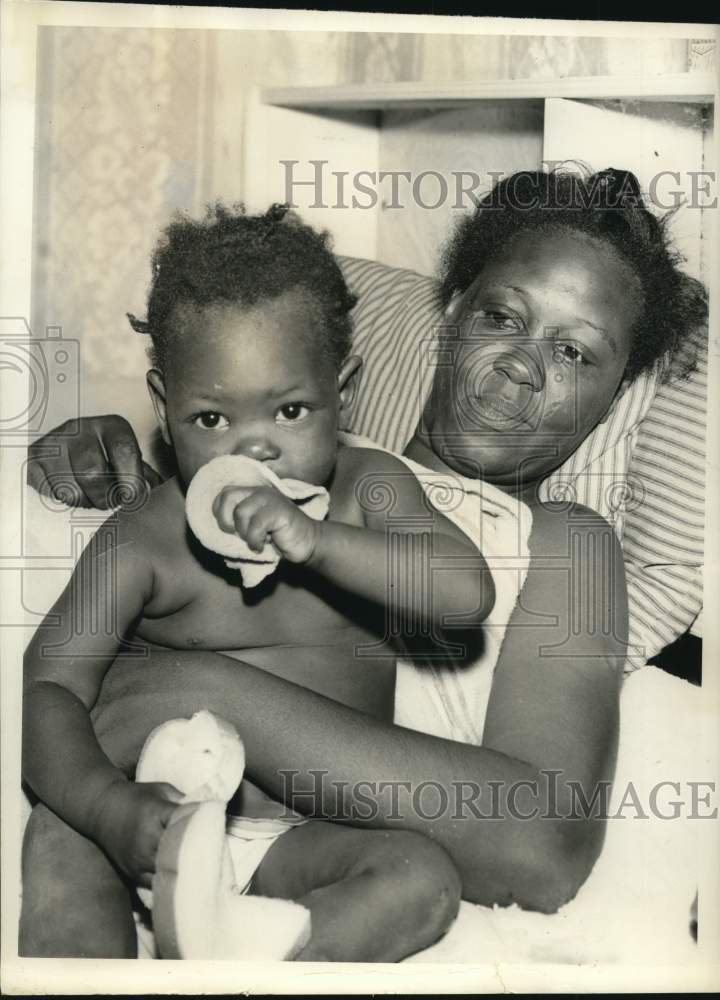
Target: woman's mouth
498 411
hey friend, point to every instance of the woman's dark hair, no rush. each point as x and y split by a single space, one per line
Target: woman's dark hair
609 207
229 256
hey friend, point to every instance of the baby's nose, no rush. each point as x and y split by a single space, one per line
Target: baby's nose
261 448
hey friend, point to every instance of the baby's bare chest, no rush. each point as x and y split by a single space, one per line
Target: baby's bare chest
198 603
205 606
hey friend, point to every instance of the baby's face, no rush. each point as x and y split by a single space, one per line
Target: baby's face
253 382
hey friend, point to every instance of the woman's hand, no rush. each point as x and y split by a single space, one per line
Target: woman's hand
91 462
131 819
264 514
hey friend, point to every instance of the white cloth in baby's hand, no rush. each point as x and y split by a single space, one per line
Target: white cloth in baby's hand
236 470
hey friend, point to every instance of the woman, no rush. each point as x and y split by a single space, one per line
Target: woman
559 293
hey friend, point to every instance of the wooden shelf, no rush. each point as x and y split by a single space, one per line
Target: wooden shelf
688 87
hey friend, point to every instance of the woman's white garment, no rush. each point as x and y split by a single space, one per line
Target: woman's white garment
441 698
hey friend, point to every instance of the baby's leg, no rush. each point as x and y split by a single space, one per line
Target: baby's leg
74 904
374 895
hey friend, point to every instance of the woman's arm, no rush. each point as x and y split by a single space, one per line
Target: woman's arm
554 706
555 695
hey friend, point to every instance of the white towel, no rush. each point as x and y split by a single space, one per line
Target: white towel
236 470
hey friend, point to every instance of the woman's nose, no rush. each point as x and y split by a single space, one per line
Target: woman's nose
261 448
521 367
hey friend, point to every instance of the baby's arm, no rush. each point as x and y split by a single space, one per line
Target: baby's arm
409 556
357 557
65 664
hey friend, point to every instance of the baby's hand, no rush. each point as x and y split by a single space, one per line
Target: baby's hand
131 822
263 514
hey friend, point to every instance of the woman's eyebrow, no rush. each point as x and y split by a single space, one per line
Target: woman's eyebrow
472 301
588 322
610 340
605 334
512 288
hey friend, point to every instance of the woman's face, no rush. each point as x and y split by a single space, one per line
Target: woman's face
535 358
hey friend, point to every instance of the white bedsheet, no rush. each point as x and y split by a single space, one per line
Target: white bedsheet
635 906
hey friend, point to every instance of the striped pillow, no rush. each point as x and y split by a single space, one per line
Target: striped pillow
664 532
642 468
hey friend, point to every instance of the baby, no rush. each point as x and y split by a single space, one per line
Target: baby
249 320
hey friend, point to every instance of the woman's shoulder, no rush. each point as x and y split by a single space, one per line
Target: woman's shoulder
555 524
370 483
356 462
574 584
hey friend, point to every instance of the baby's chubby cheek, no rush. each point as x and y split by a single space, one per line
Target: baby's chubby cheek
317 472
189 460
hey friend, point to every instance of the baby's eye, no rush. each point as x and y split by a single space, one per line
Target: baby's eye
209 420
290 413
568 353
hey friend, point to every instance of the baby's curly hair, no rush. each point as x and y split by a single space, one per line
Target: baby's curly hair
230 256
609 207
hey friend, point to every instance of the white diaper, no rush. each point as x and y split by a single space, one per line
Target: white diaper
250 839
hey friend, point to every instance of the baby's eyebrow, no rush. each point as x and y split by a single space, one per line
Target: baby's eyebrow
286 389
205 397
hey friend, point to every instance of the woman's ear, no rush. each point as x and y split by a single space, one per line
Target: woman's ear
156 387
348 380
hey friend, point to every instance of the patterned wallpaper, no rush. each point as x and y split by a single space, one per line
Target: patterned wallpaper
119 143
134 123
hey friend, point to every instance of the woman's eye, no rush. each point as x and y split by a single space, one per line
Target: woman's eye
290 413
569 353
500 320
211 421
